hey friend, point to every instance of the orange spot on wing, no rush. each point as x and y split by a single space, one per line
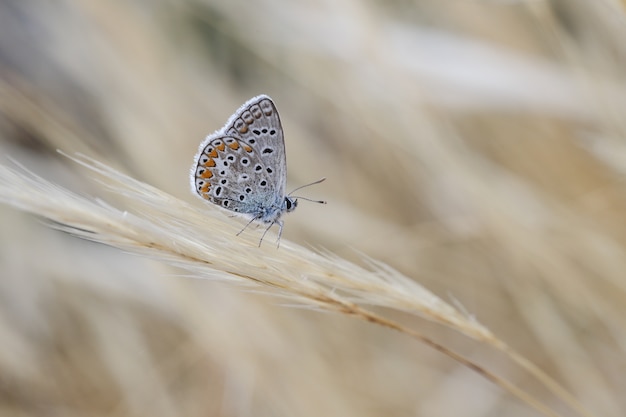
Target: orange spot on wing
205 188
213 154
210 163
207 174
247 148
234 146
221 147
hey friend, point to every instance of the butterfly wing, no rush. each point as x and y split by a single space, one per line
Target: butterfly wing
228 172
242 167
257 123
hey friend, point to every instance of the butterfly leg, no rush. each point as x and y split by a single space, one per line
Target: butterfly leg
248 224
265 232
280 232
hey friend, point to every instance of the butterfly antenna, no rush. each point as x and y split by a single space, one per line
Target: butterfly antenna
308 199
307 185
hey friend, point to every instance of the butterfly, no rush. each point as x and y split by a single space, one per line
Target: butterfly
242 167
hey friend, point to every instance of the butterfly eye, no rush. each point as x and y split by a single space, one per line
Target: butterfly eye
290 204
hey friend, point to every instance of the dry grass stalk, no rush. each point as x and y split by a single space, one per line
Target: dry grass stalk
203 242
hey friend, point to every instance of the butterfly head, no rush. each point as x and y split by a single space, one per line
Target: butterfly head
290 204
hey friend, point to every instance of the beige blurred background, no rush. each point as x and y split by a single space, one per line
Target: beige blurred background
476 146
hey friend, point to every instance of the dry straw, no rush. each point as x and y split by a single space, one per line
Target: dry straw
203 242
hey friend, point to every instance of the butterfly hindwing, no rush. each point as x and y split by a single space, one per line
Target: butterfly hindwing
229 173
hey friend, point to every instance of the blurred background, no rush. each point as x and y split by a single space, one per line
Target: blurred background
476 146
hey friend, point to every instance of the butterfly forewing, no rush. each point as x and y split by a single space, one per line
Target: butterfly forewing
258 124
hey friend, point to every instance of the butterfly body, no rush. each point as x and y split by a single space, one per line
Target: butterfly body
242 167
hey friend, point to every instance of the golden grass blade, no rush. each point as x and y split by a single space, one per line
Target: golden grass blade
203 242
